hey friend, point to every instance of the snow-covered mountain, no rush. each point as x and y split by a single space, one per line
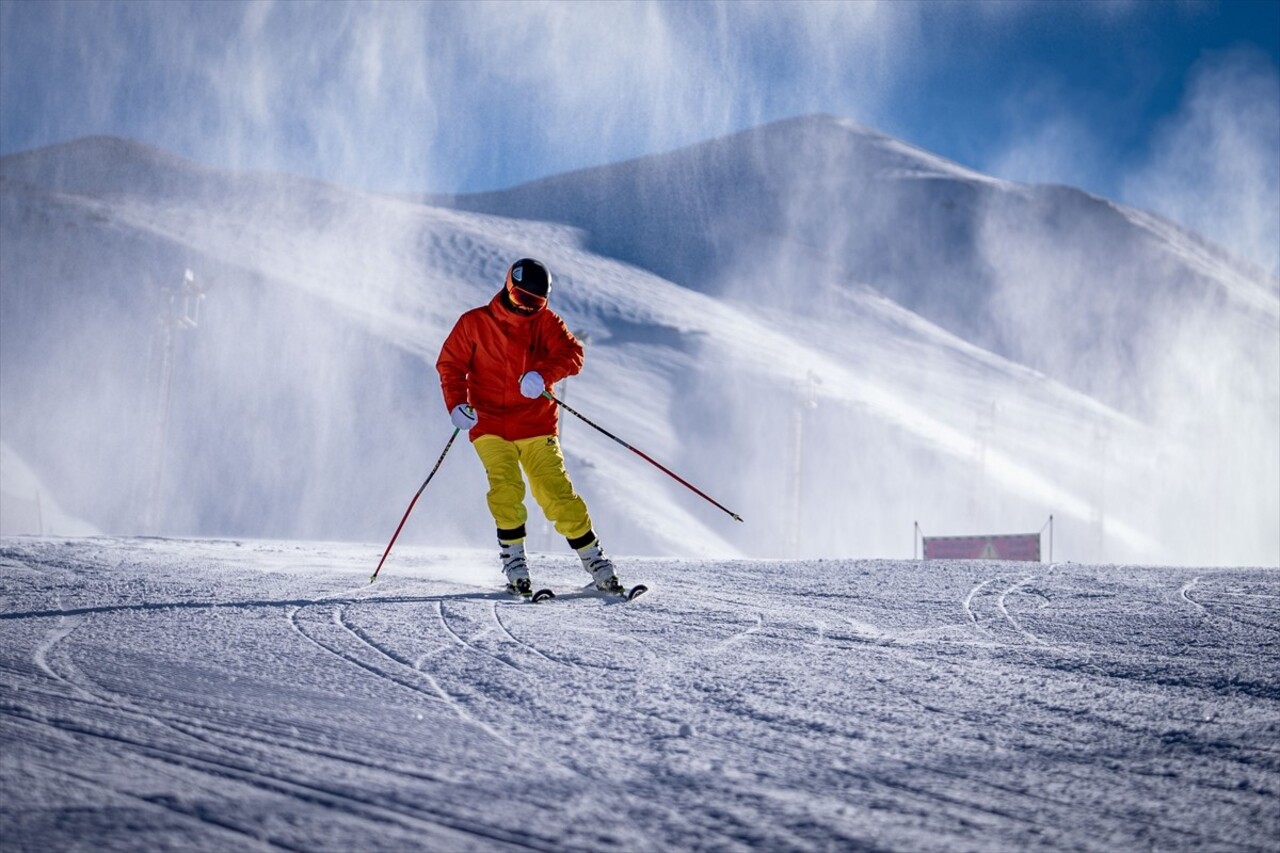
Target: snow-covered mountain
791 214
810 321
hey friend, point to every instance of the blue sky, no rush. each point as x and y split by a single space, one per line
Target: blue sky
1165 105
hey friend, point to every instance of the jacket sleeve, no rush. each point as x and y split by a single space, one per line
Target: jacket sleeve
454 363
564 354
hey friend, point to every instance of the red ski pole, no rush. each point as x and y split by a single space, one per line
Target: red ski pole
395 535
646 457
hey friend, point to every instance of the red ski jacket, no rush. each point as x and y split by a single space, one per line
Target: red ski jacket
488 351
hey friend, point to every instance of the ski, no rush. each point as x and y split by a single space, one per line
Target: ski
626 593
532 596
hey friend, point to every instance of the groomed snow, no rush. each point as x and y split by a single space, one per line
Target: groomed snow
253 695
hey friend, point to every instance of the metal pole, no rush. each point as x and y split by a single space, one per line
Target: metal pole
400 527
646 457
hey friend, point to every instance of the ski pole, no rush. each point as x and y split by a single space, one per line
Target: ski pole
411 503
646 457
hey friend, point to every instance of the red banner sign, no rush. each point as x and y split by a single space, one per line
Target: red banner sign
1020 546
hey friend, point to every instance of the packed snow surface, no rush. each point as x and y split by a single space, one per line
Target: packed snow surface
255 695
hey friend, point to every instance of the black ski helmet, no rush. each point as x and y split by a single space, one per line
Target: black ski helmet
528 285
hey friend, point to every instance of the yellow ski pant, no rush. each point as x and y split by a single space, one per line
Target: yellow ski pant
543 463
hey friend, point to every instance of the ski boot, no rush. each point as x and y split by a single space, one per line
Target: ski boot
516 568
600 568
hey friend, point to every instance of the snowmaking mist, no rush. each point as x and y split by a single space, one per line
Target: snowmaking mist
1176 341
833 332
971 353
231 401
1178 330
182 428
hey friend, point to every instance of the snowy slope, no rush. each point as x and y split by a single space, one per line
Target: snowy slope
1048 276
305 403
1128 308
255 695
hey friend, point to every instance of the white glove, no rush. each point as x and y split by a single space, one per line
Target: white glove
532 384
463 416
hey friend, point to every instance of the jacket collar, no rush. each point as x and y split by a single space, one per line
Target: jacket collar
498 307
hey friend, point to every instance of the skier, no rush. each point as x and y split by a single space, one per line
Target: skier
494 367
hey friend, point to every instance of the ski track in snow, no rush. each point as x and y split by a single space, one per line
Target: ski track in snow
217 695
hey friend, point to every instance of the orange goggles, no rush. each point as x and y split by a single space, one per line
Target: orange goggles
524 299
528 285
